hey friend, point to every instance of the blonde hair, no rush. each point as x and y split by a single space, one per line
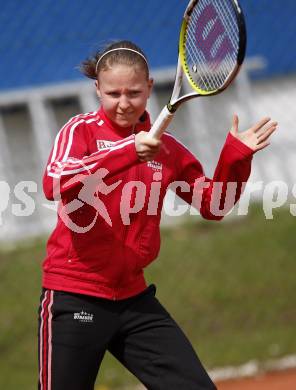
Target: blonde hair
120 52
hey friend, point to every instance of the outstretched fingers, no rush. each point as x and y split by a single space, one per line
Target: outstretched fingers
263 130
259 125
264 133
263 138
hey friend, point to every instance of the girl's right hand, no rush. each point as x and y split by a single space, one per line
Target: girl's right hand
146 147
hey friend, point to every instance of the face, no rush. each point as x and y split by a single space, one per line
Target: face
123 91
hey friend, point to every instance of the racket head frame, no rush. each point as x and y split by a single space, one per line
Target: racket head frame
182 66
167 113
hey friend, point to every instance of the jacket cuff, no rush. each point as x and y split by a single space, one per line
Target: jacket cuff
243 149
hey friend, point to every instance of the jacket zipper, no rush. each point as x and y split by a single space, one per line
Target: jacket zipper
134 197
126 227
125 231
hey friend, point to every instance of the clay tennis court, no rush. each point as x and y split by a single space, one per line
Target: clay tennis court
282 380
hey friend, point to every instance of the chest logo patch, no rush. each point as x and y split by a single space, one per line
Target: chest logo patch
155 165
103 144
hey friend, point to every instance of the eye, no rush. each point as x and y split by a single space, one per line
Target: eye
113 94
133 94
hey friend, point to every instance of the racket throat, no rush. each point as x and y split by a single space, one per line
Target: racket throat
172 108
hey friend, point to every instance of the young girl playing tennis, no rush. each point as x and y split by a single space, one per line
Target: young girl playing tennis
111 178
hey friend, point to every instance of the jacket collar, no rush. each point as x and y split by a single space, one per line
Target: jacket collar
143 124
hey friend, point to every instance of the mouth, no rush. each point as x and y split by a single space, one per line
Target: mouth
126 119
124 114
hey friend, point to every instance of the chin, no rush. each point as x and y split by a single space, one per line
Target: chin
125 123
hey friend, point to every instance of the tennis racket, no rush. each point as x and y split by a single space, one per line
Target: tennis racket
212 47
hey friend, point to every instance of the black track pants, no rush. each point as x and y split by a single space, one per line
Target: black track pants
76 330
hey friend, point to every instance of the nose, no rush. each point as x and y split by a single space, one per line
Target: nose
124 103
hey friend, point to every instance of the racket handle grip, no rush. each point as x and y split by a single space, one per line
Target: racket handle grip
161 123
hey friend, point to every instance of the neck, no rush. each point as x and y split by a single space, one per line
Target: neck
143 124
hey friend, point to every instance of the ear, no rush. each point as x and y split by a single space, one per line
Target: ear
150 85
98 89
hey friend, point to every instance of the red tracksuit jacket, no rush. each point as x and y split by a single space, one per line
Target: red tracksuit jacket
110 203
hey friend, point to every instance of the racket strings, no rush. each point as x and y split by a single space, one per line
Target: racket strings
199 63
228 18
193 57
195 62
225 12
217 77
199 68
209 63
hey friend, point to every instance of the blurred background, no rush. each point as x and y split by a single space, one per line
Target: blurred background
231 286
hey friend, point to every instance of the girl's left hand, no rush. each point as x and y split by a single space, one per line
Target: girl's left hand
257 136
